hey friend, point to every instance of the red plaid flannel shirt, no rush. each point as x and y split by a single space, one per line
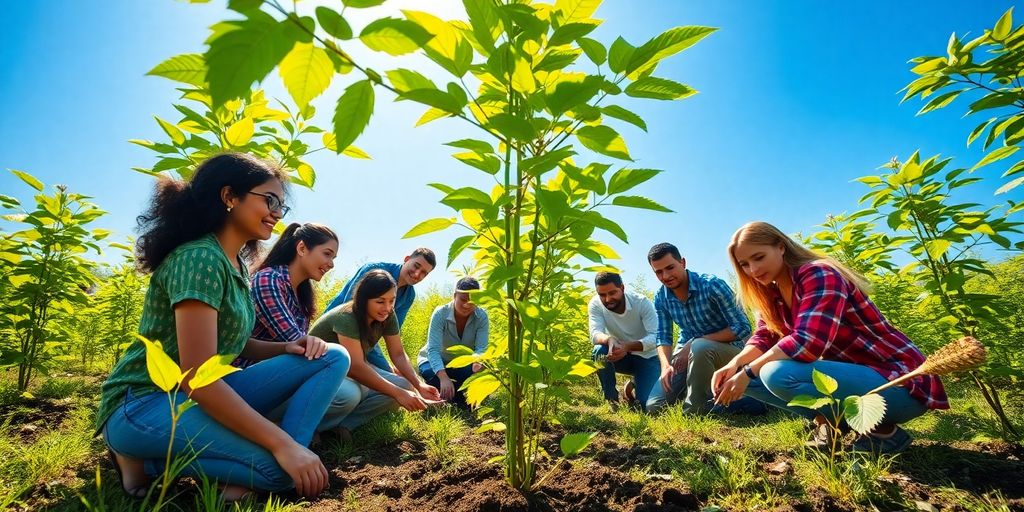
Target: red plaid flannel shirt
279 316
831 319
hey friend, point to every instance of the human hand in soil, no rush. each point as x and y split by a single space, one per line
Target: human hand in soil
429 392
309 346
722 375
447 388
410 401
304 467
616 350
732 389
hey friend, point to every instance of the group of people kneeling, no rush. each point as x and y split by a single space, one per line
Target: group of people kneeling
252 429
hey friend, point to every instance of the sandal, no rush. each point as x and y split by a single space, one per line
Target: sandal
136 493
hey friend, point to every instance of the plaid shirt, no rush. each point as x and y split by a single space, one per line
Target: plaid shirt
833 320
279 316
710 307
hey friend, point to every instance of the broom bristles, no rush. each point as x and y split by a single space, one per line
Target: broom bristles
962 354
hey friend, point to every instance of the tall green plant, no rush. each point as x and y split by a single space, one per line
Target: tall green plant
48 274
854 242
942 238
120 299
514 77
993 84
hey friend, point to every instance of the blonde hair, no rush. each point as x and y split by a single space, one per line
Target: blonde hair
757 296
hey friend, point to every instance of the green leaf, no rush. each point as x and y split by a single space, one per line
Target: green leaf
434 98
163 371
430 226
361 4
458 245
213 369
937 248
479 146
246 52
594 49
567 33
512 127
569 95
484 19
172 131
1014 183
488 426
666 44
1003 26
467 198
480 386
189 68
625 179
184 406
486 162
811 402
406 80
995 156
864 413
619 55
306 72
353 113
333 23
573 444
625 115
638 202
29 179
604 140
555 60
394 36
658 89
825 384
940 101
240 133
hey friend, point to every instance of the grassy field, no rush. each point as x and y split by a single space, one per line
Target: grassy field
49 459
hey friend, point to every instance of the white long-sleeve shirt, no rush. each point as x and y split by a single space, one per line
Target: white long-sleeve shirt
639 322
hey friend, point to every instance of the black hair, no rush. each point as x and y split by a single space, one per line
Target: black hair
182 211
426 254
374 283
285 249
608 278
660 250
467 283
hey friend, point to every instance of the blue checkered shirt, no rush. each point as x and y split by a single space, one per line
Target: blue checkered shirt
710 307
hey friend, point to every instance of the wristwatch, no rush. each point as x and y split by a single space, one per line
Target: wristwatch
749 372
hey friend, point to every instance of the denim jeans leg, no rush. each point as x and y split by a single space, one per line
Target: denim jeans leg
374 403
606 375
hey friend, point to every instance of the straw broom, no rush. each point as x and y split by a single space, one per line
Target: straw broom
962 354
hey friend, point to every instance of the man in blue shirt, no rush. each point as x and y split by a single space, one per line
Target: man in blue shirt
407 274
712 329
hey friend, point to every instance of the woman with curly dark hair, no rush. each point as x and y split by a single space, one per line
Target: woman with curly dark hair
196 238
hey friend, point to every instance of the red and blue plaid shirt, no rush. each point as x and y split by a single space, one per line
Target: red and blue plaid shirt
279 316
831 319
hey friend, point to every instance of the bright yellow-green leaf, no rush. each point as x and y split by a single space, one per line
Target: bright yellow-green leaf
433 114
29 179
574 10
163 371
1003 26
463 361
177 137
354 152
825 384
429 226
604 140
937 248
604 250
522 77
189 68
307 72
394 36
582 369
446 38
353 112
481 387
306 174
996 155
240 133
214 369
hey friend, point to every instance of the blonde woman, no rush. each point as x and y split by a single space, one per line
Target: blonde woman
814 313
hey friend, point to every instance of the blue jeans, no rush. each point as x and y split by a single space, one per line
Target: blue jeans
354 404
141 428
694 385
781 381
645 372
376 358
457 375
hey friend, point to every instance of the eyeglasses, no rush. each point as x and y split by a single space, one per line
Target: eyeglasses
274 203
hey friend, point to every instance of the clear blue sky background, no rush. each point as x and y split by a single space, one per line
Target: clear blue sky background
797 98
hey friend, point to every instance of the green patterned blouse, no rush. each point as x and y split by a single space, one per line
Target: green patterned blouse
196 270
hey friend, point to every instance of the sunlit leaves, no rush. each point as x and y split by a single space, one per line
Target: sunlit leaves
244 52
864 413
573 444
187 68
604 140
353 113
213 369
666 44
29 179
394 36
625 115
307 72
429 226
625 179
658 89
163 371
333 23
639 202
239 133
825 384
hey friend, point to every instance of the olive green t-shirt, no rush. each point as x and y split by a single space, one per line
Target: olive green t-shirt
196 270
341 320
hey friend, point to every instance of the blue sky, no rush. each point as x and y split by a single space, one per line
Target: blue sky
797 98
